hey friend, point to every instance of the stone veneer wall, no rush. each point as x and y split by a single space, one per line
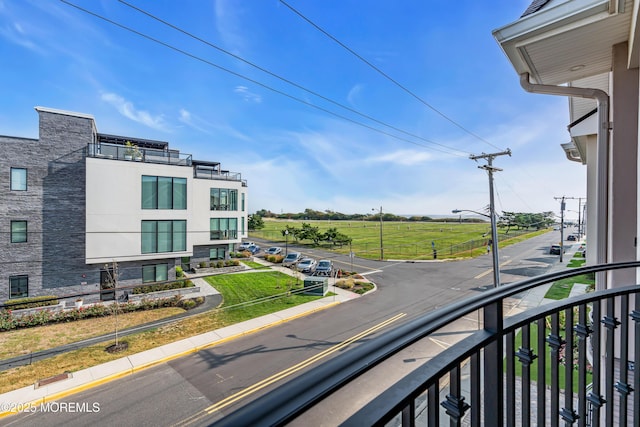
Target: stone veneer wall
53 205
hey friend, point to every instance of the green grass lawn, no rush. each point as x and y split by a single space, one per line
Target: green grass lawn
246 296
401 240
561 288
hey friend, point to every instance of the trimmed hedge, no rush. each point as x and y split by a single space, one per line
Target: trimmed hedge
31 302
163 287
8 321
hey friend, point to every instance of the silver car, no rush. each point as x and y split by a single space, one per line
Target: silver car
324 268
307 265
291 259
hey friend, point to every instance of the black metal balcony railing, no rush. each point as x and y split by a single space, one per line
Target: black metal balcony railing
591 336
146 155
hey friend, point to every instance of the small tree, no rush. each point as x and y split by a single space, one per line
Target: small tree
255 222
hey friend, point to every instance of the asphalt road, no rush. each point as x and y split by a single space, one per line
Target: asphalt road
222 378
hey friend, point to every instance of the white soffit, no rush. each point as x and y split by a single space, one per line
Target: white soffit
565 41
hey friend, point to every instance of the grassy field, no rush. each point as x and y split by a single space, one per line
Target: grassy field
245 296
401 240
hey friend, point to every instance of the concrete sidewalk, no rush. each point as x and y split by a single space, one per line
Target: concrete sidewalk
26 398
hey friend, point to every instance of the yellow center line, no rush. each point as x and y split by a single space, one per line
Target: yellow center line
289 371
481 275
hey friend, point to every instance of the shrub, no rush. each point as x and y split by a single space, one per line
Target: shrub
179 271
202 264
345 283
212 264
276 259
163 286
31 302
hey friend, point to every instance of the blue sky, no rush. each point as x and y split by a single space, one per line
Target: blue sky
294 155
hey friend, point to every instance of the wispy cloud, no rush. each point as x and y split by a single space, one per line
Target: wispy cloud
402 157
127 109
228 25
208 127
247 95
354 93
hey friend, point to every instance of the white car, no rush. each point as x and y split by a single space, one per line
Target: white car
244 246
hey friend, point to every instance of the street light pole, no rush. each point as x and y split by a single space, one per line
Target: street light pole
286 242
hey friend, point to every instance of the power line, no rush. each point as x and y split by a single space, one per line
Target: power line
279 77
263 85
388 77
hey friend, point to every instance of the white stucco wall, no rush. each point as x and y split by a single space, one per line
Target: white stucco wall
114 213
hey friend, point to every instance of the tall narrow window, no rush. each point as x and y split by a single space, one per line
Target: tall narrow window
242 208
18 286
18 231
18 179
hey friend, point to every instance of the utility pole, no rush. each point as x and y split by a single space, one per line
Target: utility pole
494 232
562 205
562 208
381 247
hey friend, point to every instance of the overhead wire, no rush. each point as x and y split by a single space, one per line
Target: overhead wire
277 76
263 85
387 76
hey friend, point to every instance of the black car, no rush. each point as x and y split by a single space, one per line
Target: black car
572 237
555 250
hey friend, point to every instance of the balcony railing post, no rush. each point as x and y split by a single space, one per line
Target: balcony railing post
493 368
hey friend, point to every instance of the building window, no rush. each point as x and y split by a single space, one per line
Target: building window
224 228
224 199
164 236
18 231
155 273
18 179
161 192
217 253
242 202
242 225
18 286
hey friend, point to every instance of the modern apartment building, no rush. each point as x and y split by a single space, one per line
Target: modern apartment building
75 202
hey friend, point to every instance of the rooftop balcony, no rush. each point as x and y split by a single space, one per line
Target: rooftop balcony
509 370
162 155
145 155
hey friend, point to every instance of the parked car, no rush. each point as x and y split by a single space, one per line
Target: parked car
244 246
307 265
324 268
572 237
273 250
253 248
555 250
291 259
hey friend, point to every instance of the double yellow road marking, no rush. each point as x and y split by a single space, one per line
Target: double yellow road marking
289 371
